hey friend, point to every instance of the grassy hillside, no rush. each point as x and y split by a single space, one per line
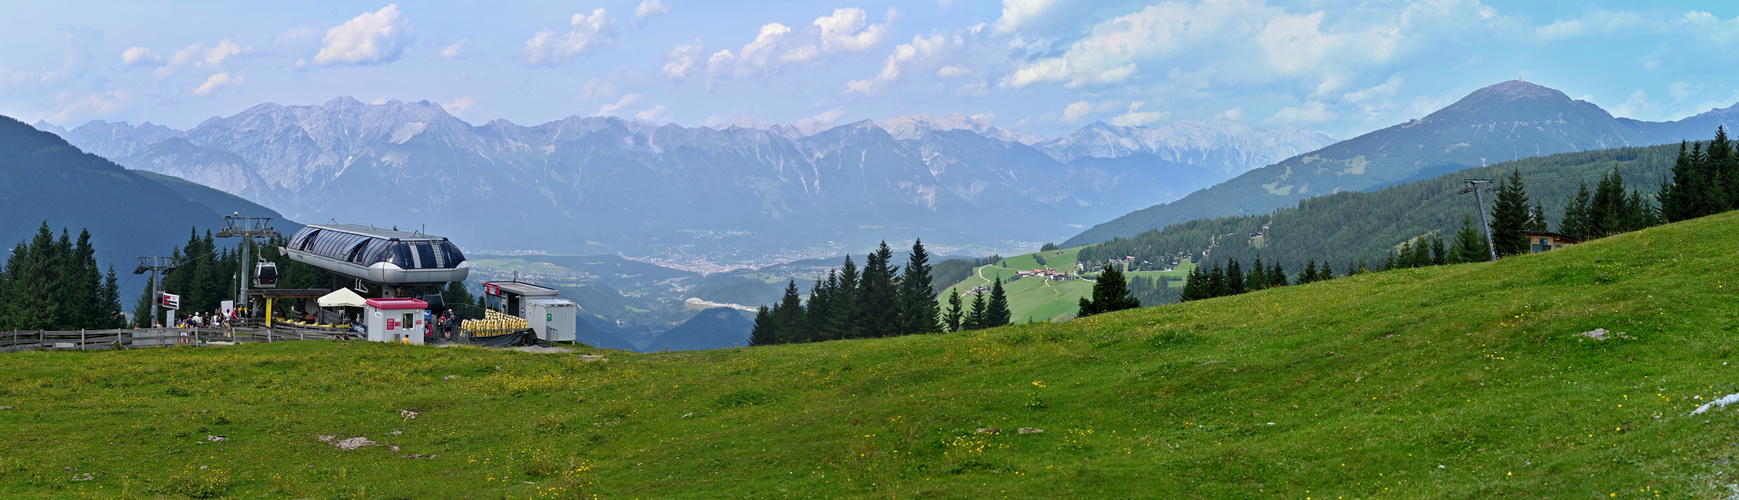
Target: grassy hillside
1467 381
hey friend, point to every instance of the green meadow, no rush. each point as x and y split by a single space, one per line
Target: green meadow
1465 381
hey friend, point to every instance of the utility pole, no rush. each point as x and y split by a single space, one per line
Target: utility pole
1473 186
158 266
246 228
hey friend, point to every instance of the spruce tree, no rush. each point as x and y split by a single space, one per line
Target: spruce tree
1308 275
951 319
1276 276
817 315
1537 218
1324 272
977 319
1510 216
996 312
845 302
1675 191
1193 285
1234 278
1257 277
878 299
1217 286
109 303
1575 222
1723 172
919 299
788 317
1469 243
764 332
1110 293
1439 255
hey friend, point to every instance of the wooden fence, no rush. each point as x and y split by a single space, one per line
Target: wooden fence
91 340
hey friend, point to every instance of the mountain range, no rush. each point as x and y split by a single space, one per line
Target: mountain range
737 192
1502 122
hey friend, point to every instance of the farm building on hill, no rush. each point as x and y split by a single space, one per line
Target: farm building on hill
1541 241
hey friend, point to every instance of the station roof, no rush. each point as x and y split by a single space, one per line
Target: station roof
376 232
525 289
289 293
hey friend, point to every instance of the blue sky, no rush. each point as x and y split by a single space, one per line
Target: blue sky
1041 66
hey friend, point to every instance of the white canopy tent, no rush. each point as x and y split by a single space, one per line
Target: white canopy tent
342 297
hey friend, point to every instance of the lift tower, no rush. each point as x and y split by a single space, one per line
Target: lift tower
246 228
159 267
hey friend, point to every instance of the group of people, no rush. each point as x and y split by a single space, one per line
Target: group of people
216 319
445 325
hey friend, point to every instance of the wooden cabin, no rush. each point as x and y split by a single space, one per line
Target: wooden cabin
1541 241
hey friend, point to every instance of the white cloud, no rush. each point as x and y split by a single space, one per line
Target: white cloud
683 60
198 56
920 50
214 81
89 106
626 99
454 51
823 117
1637 106
1250 42
1234 113
1134 118
1681 90
140 56
589 34
1595 22
378 101
1018 12
777 46
1309 112
370 38
657 113
846 30
953 71
1721 32
1076 111
459 105
756 59
1385 90
647 10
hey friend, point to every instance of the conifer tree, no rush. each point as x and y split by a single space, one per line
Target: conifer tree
1439 255
878 299
764 332
1324 272
918 298
1676 191
996 312
1308 275
1234 278
1110 293
1257 277
788 317
1575 223
1469 244
1510 215
951 319
1217 285
1537 218
845 303
1722 172
1276 276
108 303
818 314
1194 285
977 319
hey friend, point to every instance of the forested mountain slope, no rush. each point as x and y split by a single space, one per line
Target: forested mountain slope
1503 122
1346 227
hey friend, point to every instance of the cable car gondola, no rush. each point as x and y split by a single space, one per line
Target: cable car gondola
266 275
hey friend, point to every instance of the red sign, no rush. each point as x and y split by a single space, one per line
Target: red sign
492 289
392 324
170 301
